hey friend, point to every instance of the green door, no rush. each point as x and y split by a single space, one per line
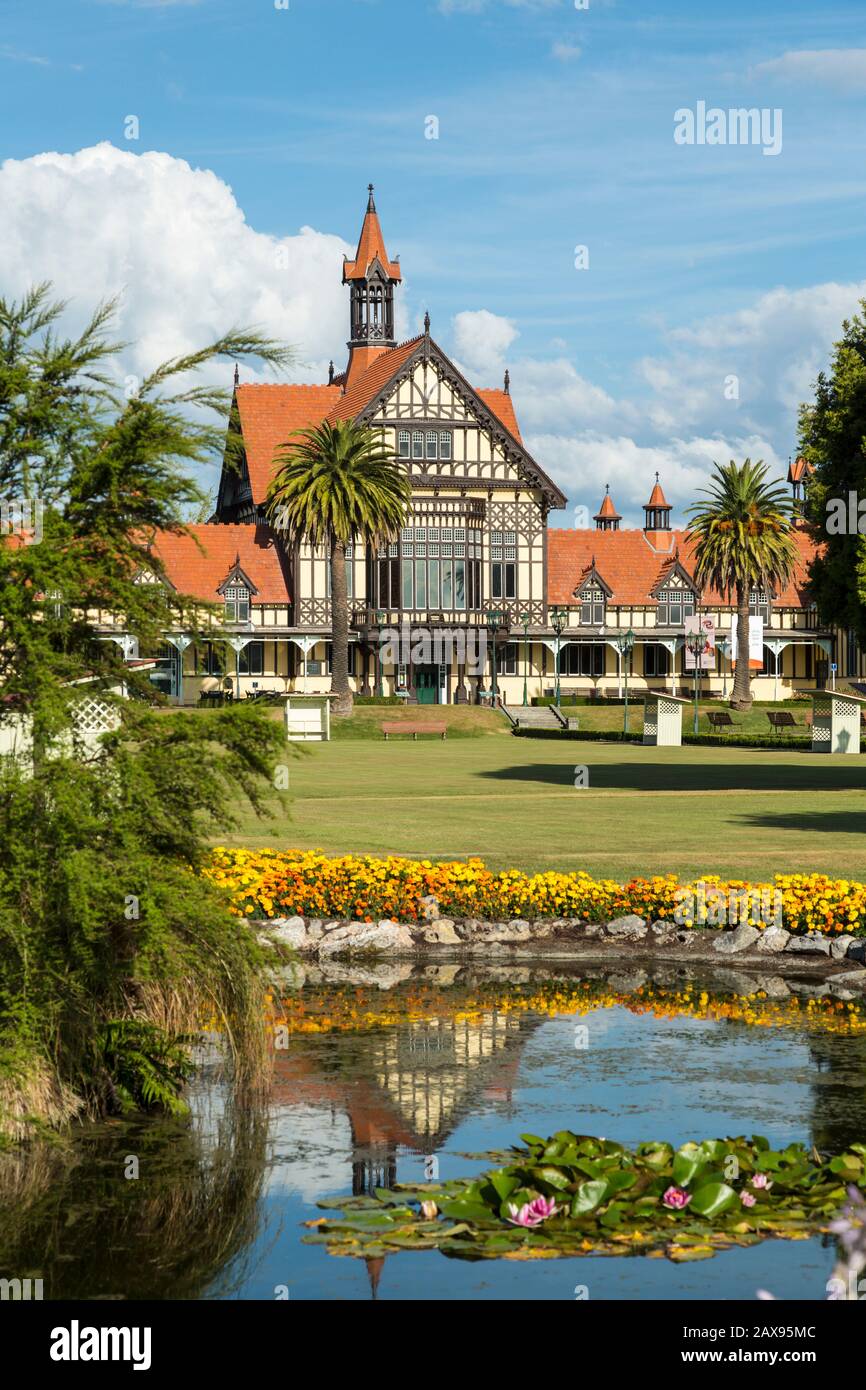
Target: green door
427 684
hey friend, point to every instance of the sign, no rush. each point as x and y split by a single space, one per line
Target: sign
756 643
707 657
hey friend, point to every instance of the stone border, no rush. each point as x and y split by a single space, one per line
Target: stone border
628 939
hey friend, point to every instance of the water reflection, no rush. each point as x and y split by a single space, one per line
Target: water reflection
399 1073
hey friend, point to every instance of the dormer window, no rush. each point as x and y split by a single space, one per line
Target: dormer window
759 605
237 601
592 605
674 606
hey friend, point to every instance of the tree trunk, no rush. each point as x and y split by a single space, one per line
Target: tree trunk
342 704
741 696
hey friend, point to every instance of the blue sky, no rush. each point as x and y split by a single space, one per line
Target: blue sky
555 130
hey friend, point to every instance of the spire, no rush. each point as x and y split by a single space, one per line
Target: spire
372 276
331 372
371 204
371 247
427 325
507 382
237 375
607 518
657 510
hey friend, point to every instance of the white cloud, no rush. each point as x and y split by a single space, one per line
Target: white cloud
845 67
481 340
174 242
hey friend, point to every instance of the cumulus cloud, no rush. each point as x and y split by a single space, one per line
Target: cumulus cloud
173 242
481 340
845 67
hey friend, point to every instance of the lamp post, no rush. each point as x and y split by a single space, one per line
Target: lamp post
495 621
625 647
695 644
380 619
524 623
558 618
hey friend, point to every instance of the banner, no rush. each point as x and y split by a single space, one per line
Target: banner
756 643
707 628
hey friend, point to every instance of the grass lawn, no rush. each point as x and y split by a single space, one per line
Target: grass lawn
737 812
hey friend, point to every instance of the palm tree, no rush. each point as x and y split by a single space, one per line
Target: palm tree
744 542
338 485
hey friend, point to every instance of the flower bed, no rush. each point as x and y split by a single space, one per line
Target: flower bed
272 883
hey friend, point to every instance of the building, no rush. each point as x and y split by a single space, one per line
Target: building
477 566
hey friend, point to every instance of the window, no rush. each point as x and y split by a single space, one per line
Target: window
656 660
403 440
417 444
759 605
325 666
503 568
237 601
440 568
852 655
251 661
444 445
432 451
581 659
506 659
350 573
674 606
592 605
210 659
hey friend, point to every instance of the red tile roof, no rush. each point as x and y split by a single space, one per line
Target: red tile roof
503 408
607 511
269 415
363 388
800 469
199 569
632 569
657 497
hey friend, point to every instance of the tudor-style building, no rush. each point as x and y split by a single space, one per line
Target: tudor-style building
475 555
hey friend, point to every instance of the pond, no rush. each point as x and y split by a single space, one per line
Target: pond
398 1073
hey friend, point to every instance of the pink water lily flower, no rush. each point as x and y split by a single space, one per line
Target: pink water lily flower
532 1213
429 1210
676 1198
748 1199
761 1182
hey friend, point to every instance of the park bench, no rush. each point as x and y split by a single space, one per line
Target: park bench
720 719
404 727
782 719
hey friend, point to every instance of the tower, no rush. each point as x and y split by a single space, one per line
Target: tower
607 518
372 277
657 511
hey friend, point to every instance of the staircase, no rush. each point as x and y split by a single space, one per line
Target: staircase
534 716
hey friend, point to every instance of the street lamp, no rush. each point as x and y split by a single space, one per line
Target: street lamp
524 623
625 647
695 644
495 621
558 618
380 619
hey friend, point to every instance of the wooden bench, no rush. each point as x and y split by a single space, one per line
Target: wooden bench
405 727
782 719
720 719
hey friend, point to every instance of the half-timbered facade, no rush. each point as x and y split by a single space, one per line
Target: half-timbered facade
477 571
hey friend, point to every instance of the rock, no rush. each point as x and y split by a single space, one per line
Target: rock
811 991
812 943
516 930
663 933
363 938
429 907
592 929
330 926
315 932
851 979
839 992
289 931
440 933
468 928
773 940
444 975
857 951
840 946
631 928
729 943
380 974
315 923
687 937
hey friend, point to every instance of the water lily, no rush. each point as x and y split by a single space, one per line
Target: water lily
429 1210
748 1199
532 1213
677 1198
761 1182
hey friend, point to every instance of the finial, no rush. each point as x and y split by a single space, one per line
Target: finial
507 382
371 205
427 324
331 372
657 477
237 375
607 489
